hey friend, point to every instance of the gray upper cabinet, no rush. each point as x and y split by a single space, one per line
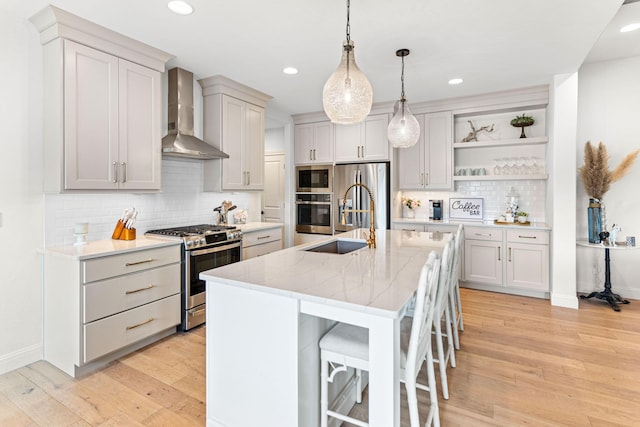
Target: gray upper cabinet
234 122
428 165
102 107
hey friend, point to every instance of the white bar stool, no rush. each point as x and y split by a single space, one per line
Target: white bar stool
348 346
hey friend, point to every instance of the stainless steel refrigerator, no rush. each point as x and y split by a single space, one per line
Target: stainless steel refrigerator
376 177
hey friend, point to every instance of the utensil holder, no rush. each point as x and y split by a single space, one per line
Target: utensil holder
118 230
128 234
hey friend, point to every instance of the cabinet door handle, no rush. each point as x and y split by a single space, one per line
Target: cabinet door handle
358 151
263 237
362 151
310 154
124 172
421 179
149 320
314 154
139 290
115 172
426 180
526 237
129 264
509 254
249 177
499 250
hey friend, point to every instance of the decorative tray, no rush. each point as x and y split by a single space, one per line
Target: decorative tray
495 221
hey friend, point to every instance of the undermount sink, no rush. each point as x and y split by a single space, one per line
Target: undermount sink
338 246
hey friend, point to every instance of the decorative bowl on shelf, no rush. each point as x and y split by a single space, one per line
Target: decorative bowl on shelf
522 122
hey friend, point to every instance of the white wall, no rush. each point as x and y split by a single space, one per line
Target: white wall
561 201
608 111
21 201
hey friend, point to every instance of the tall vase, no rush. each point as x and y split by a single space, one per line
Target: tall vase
594 216
410 213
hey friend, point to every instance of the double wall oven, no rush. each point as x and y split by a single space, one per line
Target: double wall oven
314 199
204 247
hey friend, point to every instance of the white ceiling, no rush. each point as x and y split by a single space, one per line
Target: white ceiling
493 45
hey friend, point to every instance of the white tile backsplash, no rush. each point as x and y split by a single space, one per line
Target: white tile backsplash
181 202
532 197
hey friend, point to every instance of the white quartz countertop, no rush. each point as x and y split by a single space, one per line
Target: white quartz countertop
100 248
485 223
258 226
381 279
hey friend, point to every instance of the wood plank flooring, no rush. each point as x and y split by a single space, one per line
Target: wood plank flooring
522 362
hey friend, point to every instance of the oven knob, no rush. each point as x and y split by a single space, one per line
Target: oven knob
189 243
202 242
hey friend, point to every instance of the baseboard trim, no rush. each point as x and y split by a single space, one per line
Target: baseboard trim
20 358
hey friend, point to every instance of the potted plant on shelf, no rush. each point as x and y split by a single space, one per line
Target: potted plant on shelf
522 122
411 204
523 217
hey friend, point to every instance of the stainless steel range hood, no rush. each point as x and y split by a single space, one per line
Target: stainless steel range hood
180 141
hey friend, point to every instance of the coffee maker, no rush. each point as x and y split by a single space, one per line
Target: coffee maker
435 209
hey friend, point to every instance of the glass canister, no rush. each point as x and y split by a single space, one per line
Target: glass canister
512 201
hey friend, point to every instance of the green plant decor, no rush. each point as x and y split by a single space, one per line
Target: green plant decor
522 120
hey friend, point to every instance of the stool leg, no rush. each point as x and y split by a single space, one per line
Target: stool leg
358 385
324 392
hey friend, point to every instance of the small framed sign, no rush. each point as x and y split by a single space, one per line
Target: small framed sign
466 208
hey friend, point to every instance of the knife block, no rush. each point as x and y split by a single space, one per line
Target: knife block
122 233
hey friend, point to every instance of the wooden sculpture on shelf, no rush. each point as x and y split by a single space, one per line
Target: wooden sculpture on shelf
473 135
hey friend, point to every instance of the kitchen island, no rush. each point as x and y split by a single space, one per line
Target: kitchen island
265 317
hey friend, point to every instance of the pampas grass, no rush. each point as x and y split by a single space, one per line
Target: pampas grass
595 173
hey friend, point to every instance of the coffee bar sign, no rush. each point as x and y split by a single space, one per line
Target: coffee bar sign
466 208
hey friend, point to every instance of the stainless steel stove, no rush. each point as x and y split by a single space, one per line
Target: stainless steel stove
205 247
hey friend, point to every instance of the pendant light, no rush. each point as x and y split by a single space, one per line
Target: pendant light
347 95
404 129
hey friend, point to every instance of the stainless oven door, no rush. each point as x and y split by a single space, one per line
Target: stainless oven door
200 260
314 213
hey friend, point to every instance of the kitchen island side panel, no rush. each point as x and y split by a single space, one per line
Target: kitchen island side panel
252 358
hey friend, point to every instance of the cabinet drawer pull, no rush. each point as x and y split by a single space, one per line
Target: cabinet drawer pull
527 237
408 229
129 264
149 320
138 290
263 237
115 172
481 234
499 251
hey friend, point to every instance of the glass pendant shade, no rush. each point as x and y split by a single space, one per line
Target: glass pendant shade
404 129
347 95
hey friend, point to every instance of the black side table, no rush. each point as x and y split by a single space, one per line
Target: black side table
606 295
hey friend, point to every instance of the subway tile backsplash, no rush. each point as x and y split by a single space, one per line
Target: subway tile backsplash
181 202
532 197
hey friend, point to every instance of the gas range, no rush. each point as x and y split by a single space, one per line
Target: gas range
199 236
205 246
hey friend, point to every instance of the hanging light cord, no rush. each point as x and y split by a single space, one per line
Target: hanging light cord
402 80
348 22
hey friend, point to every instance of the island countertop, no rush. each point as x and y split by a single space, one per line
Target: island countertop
380 280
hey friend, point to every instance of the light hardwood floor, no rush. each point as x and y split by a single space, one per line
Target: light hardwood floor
522 362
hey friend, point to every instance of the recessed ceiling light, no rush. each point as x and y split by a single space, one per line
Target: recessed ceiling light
456 81
290 70
630 27
180 7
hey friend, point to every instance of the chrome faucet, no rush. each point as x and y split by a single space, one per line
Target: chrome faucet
371 240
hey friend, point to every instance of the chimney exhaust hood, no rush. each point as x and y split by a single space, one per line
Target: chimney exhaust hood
180 141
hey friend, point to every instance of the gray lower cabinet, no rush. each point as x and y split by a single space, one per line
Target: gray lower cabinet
100 308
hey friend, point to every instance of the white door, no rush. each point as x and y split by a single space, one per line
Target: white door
273 194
